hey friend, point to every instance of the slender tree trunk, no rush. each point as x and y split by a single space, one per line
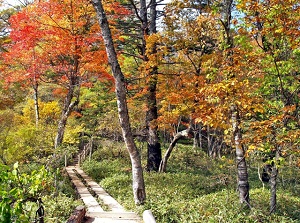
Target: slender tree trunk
242 172
200 137
67 109
36 103
179 135
154 147
274 172
145 27
243 185
195 141
137 171
210 142
273 184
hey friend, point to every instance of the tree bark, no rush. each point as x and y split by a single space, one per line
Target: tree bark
243 185
145 27
197 135
242 172
273 184
274 172
153 148
153 145
77 215
67 109
179 135
36 103
137 171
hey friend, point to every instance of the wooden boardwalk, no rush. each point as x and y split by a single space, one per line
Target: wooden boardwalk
89 191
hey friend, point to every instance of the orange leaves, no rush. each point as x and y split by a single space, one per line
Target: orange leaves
273 19
60 92
60 38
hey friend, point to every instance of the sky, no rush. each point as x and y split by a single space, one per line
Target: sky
17 2
7 3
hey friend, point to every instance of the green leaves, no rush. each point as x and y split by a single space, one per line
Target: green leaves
17 189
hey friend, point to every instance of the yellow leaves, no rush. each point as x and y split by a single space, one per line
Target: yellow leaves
258 109
241 5
72 132
152 40
252 148
49 111
279 30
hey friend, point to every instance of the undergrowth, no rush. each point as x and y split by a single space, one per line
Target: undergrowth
196 188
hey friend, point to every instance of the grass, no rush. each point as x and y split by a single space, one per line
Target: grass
196 188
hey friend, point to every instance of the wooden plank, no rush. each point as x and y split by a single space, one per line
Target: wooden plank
94 212
116 215
109 220
113 204
148 217
90 202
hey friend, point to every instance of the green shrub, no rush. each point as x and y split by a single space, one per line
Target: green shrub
59 208
106 168
108 150
19 190
23 190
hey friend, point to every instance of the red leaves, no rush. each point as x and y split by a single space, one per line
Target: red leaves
24 30
55 40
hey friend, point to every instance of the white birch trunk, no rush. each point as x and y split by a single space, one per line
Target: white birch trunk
137 171
243 185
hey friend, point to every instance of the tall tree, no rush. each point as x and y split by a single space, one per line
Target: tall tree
61 37
25 35
187 41
272 25
208 74
146 15
137 170
243 184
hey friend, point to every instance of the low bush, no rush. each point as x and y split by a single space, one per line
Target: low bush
59 208
27 190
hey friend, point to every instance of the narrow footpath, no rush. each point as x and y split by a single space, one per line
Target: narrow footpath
92 194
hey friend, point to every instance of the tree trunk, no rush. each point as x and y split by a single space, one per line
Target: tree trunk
67 109
77 215
137 171
274 172
196 141
154 148
273 184
36 103
243 185
153 145
210 142
179 135
145 27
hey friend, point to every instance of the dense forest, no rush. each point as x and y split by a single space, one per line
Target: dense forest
189 108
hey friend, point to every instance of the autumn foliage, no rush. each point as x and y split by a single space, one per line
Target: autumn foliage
225 72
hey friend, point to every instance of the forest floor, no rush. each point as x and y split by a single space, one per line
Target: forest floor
101 207
196 188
